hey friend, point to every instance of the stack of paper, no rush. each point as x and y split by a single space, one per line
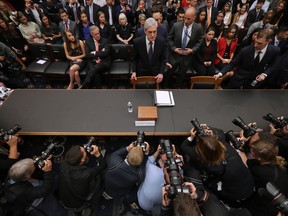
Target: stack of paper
164 98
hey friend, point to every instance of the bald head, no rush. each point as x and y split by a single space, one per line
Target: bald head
190 15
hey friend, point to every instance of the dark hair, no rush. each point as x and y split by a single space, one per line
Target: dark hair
185 205
265 33
260 1
203 23
69 43
74 155
211 28
41 17
233 26
62 11
10 27
180 11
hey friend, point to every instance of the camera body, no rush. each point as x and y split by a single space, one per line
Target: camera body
279 123
237 144
200 130
248 130
4 134
140 141
88 146
172 165
40 160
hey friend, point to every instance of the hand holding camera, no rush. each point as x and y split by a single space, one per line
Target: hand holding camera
47 166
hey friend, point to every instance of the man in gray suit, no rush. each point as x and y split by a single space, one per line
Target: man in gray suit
184 40
67 24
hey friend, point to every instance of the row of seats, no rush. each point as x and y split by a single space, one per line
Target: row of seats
51 63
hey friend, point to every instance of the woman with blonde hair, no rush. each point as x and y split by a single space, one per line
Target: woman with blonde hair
124 32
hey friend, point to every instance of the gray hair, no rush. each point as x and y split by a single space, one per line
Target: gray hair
150 22
21 170
93 28
142 16
122 15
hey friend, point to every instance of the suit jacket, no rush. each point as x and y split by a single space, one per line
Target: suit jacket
103 52
141 64
246 70
96 8
255 26
72 26
214 12
252 17
105 10
70 12
175 38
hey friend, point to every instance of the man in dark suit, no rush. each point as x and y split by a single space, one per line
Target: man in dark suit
91 10
184 40
253 64
149 53
110 12
97 53
73 10
211 11
256 14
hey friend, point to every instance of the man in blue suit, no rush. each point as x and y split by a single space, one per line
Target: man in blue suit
150 53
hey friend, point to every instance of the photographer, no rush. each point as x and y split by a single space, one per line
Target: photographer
266 167
7 162
26 195
221 165
125 172
80 187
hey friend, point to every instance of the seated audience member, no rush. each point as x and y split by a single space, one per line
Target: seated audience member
75 52
265 6
125 8
266 167
227 10
179 17
281 35
104 27
256 14
226 47
218 25
253 63
26 195
10 62
91 10
222 164
124 31
278 12
50 31
264 23
73 9
241 16
81 186
206 54
67 24
139 10
211 11
149 53
33 12
83 27
171 12
201 18
51 9
110 12
141 21
7 162
150 191
125 172
98 54
12 37
29 30
183 49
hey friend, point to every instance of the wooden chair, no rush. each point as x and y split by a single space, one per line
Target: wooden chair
144 82
205 82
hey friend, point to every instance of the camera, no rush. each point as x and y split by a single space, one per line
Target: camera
277 198
140 140
248 130
4 134
88 146
200 130
279 123
237 144
176 180
55 148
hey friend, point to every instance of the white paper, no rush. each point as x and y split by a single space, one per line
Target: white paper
41 62
164 98
144 123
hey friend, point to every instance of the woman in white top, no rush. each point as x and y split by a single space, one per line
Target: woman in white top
227 14
241 16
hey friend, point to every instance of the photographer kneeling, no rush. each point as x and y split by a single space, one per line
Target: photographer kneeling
26 195
223 171
80 187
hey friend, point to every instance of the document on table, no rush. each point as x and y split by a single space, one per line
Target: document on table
164 98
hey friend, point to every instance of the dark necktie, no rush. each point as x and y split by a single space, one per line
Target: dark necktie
257 59
184 40
150 52
66 26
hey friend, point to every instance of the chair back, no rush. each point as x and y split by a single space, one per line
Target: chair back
39 50
120 52
205 82
144 82
57 52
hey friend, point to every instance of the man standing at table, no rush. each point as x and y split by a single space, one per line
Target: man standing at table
97 52
184 39
149 53
253 64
